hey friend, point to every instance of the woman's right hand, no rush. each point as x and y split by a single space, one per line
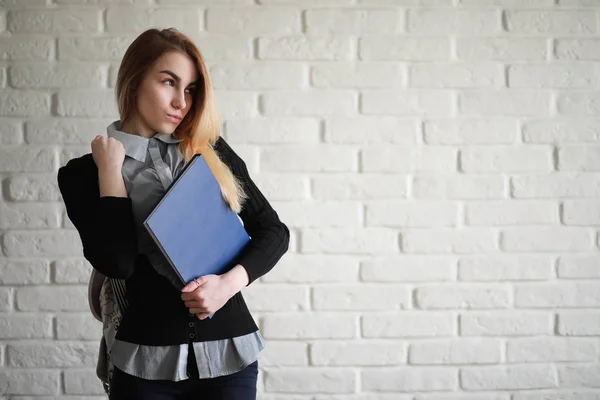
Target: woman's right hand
108 153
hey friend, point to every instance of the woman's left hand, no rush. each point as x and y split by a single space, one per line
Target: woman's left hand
206 294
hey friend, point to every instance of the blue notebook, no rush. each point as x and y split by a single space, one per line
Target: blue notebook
194 227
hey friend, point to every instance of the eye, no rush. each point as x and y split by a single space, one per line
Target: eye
169 80
192 90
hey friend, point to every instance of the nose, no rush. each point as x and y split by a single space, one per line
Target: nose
179 101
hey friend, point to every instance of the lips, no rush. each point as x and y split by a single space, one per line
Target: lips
174 118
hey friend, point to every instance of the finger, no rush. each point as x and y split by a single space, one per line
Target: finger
203 315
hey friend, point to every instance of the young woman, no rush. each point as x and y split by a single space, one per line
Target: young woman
165 347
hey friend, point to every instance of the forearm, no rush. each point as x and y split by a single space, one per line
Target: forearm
110 182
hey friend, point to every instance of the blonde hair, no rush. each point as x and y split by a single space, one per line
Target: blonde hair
199 130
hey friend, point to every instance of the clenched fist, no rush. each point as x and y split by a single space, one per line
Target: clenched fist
108 153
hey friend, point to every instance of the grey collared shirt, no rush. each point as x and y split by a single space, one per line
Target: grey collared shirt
150 165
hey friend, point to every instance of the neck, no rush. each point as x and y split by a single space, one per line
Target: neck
131 128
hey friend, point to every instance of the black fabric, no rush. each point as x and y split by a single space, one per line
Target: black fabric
156 315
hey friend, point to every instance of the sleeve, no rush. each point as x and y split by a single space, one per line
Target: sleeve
269 236
105 224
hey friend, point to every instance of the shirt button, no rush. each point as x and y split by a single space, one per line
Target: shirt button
191 335
191 324
192 315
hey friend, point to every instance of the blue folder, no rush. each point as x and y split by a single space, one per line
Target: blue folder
194 227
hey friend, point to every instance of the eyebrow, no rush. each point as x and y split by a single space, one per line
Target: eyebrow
166 71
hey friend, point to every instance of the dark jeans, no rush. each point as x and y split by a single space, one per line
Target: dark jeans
238 386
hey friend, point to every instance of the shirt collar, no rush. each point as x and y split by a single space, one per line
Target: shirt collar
136 146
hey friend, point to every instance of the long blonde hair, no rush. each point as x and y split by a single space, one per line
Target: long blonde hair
199 130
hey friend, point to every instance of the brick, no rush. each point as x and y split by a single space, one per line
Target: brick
512 212
461 296
506 323
410 379
557 184
447 22
362 75
456 351
557 295
43 243
106 48
408 324
327 158
505 268
519 377
546 239
306 268
316 103
394 48
86 103
410 102
561 131
24 272
397 159
350 241
424 214
578 375
29 216
313 47
26 48
54 21
32 382
353 22
309 326
407 268
506 103
20 103
52 355
277 298
82 382
501 49
77 326
11 132
549 349
25 326
456 75
136 19
60 75
273 131
361 297
449 186
578 323
319 214
52 298
371 130
6 298
65 131
368 353
579 158
284 354
225 47
235 104
506 159
468 131
71 271
314 380
577 104
557 22
264 75
359 187
541 76
578 266
463 241
39 187
279 187
253 20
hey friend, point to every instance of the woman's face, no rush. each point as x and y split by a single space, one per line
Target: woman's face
165 95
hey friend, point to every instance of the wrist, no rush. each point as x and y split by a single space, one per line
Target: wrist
236 279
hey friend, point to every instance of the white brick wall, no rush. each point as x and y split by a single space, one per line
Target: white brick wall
437 161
